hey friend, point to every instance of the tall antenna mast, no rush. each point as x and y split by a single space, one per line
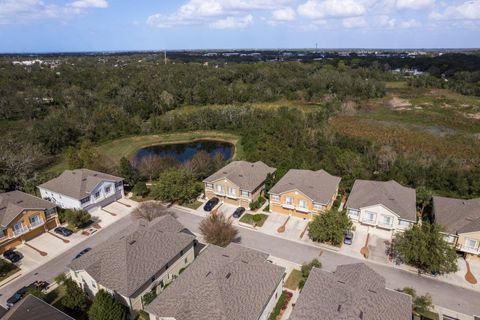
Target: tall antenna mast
165 56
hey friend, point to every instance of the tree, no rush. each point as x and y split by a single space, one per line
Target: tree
330 227
77 218
218 230
201 165
105 307
150 210
176 185
424 199
269 182
74 298
420 304
307 267
37 292
424 247
140 189
128 172
151 166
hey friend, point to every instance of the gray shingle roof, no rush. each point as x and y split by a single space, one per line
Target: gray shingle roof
221 284
32 308
132 257
246 175
77 183
391 194
319 185
15 202
457 215
352 292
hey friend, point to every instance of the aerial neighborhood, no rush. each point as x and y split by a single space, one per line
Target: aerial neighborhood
156 268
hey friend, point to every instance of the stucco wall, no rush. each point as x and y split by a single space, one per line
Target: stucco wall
272 302
239 200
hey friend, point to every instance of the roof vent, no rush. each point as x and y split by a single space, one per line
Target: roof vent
209 273
290 183
84 179
339 308
132 242
341 281
372 291
228 275
226 255
19 201
225 172
240 175
244 261
361 314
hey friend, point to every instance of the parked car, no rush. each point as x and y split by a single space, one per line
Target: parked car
348 238
81 253
211 204
63 231
238 213
13 256
22 292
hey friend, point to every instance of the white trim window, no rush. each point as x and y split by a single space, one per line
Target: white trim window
449 238
353 212
35 220
232 191
386 220
97 194
289 201
245 193
404 224
471 243
302 204
275 197
369 217
209 185
318 206
107 189
220 189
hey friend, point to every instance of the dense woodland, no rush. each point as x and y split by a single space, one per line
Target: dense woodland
45 110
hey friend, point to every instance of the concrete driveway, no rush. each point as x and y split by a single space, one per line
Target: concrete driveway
223 208
112 212
293 228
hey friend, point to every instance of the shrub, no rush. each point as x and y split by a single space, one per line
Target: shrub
330 227
218 230
257 217
255 205
282 301
140 189
149 297
77 218
105 307
5 267
307 267
74 298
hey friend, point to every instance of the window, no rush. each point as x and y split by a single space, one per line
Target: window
97 194
107 189
302 204
449 238
220 189
209 185
353 212
35 220
18 227
403 223
232 191
85 200
369 216
275 197
245 194
118 184
471 243
289 201
318 206
387 220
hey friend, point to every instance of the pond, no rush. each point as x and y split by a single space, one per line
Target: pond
184 152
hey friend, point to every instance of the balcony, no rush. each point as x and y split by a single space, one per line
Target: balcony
20 231
468 249
232 196
219 193
35 224
301 209
368 221
288 206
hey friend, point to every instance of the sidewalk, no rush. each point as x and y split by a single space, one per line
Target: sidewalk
456 279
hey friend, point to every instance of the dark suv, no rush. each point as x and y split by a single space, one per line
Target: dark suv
63 231
238 213
22 292
211 204
13 256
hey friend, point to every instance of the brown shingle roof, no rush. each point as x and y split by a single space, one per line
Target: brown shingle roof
77 183
15 202
246 175
457 215
222 283
391 194
319 185
352 292
132 257
33 308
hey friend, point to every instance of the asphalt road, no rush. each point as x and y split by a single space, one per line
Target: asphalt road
446 295
57 265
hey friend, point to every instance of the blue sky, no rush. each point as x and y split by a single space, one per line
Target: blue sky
94 25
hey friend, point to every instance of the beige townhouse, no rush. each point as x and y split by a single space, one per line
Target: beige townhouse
238 183
461 222
304 193
142 258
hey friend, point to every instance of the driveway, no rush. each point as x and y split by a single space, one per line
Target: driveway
293 228
112 212
223 208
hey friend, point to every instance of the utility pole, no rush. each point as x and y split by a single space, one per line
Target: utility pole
165 56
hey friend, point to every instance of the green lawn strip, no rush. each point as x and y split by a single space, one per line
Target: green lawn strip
428 315
12 269
282 301
194 205
250 219
294 279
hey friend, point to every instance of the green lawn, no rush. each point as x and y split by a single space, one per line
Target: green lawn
127 147
194 205
7 269
254 219
293 279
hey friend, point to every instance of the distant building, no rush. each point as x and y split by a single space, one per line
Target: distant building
385 205
33 308
461 221
82 189
23 217
353 291
304 193
238 183
223 283
139 259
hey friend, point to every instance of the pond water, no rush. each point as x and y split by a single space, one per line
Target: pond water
184 152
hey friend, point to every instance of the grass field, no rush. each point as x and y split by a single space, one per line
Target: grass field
127 147
294 279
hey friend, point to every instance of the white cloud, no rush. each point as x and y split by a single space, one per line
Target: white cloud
414 4
354 22
407 24
83 4
284 14
233 22
206 11
319 9
469 10
385 21
22 10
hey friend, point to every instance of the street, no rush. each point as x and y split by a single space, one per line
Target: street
449 296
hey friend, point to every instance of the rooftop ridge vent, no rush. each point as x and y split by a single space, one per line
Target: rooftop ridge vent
132 242
361 314
84 179
372 291
240 175
208 273
341 281
225 255
19 201
244 261
228 275
339 308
